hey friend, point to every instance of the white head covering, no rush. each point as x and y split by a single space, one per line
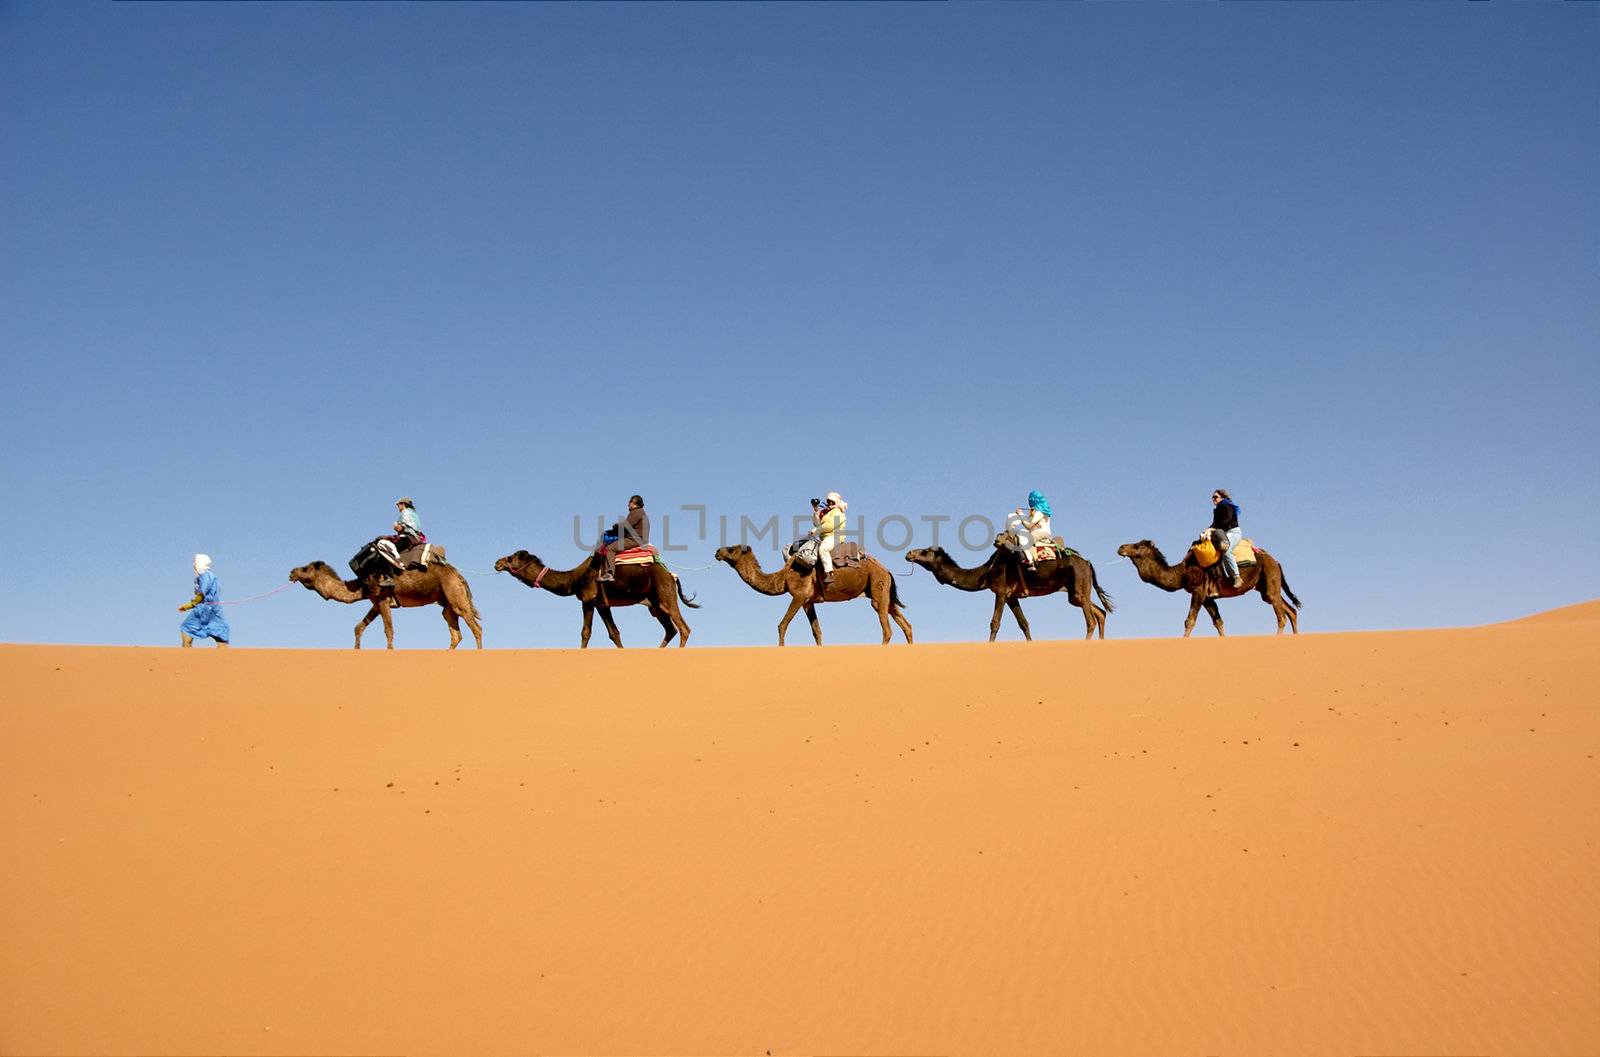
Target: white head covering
202 562
837 500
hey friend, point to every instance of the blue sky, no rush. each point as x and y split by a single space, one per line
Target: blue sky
263 268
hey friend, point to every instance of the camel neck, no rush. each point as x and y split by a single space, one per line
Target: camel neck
329 586
750 572
1153 570
557 581
947 572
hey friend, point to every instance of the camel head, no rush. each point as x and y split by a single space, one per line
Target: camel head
518 562
1142 551
927 557
306 574
732 554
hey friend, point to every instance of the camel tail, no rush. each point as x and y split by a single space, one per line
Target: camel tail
1100 592
1283 580
894 593
1286 590
683 596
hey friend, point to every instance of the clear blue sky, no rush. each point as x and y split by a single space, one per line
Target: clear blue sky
263 268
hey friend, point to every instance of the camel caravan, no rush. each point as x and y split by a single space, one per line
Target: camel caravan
405 570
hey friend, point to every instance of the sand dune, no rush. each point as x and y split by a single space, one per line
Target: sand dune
1583 612
1331 844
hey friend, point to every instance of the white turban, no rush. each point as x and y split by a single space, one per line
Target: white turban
202 562
837 500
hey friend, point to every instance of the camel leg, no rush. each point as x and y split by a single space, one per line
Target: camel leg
1273 599
783 625
900 619
679 625
611 625
1194 611
454 624
388 623
588 625
1090 613
372 614
1099 621
1216 616
994 621
1015 605
665 622
1272 594
816 625
881 605
1284 612
458 598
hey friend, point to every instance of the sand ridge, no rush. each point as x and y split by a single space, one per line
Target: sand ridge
1353 843
1582 612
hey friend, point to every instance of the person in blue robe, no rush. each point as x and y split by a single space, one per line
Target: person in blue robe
205 619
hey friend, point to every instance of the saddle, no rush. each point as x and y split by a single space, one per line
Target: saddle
806 554
848 554
1050 550
420 555
645 555
382 558
1053 549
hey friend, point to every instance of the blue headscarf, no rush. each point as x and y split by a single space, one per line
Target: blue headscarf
1037 501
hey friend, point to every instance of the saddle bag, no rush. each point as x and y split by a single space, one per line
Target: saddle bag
375 559
802 554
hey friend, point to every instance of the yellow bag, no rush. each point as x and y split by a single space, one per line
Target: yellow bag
1205 552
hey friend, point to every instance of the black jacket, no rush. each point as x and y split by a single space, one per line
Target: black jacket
1225 515
633 530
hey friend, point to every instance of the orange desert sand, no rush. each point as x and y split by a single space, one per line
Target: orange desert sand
1376 843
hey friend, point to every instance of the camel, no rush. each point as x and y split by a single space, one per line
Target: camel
654 585
440 584
803 588
1000 574
1266 576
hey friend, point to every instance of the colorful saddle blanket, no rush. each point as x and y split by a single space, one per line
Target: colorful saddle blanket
645 555
1052 550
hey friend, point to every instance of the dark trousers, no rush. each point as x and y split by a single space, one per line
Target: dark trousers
610 551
